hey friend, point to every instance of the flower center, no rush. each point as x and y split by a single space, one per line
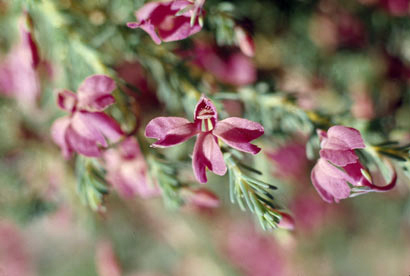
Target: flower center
206 115
206 125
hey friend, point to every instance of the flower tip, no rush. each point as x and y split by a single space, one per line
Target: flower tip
204 198
286 222
256 150
133 25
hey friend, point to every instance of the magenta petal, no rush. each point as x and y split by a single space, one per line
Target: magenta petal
182 29
58 132
330 182
180 4
81 144
239 70
147 9
339 157
238 132
170 131
129 148
104 124
343 138
150 29
67 100
133 25
207 154
81 124
354 170
95 92
127 170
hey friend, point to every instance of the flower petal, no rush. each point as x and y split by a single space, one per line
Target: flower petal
148 28
207 154
181 29
343 138
330 182
104 124
238 132
170 131
95 92
127 170
339 157
147 9
67 100
80 123
81 144
58 134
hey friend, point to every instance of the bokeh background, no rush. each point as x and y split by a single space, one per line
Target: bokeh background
347 61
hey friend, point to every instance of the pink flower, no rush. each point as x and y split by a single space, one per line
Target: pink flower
18 71
339 166
235 132
14 257
127 170
86 128
232 68
290 161
253 253
169 21
106 261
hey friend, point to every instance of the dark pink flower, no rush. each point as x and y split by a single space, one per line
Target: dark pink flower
233 131
169 21
127 170
229 68
18 71
339 166
396 7
87 127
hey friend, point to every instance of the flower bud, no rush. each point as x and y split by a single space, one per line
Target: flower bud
286 222
244 41
203 198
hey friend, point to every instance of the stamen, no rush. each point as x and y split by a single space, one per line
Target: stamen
203 126
210 125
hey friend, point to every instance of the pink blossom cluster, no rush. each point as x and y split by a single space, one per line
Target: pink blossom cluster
87 130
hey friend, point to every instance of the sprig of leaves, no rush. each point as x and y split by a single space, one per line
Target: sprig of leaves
252 194
164 174
91 184
278 112
397 152
223 23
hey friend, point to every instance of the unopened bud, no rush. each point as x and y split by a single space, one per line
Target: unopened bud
204 198
286 222
244 41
